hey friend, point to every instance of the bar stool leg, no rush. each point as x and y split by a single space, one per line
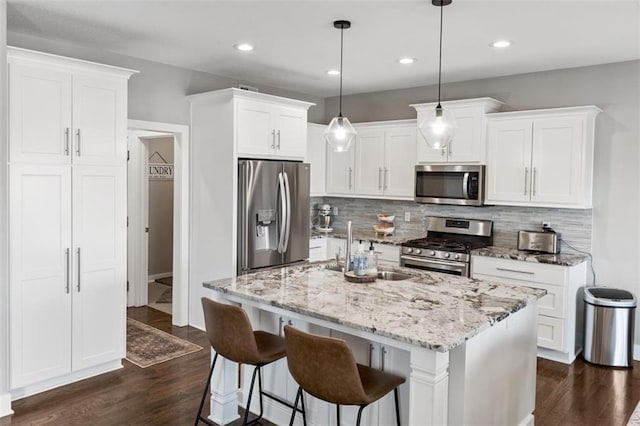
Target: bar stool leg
246 410
260 389
295 407
395 396
360 414
206 389
304 410
338 413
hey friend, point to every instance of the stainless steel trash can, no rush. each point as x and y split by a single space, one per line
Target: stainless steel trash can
608 326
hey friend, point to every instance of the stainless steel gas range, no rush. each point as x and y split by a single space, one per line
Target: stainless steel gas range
447 246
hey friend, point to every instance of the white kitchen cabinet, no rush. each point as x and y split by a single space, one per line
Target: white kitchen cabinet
99 241
541 158
559 311
65 111
40 282
67 221
270 127
469 140
387 252
317 158
317 249
340 171
379 164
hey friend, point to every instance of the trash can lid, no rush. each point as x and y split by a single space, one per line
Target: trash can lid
613 297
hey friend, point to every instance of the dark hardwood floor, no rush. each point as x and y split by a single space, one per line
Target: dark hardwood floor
169 393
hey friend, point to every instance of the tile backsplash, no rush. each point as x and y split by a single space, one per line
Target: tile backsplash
575 225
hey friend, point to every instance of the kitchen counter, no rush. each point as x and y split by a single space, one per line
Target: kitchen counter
364 236
562 259
432 310
462 344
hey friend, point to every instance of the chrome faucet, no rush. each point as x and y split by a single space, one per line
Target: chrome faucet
347 256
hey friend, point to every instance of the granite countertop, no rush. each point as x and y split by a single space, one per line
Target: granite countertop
433 310
364 236
570 259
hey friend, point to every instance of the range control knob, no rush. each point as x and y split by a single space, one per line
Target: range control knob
456 257
447 255
418 251
432 253
409 250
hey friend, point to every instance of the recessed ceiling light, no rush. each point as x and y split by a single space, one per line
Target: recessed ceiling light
406 61
501 44
245 47
333 72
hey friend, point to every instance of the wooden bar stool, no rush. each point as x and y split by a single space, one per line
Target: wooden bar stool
230 334
325 368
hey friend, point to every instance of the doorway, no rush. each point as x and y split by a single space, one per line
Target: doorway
158 211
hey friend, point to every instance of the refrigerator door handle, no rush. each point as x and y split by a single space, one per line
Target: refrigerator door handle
288 211
247 176
283 212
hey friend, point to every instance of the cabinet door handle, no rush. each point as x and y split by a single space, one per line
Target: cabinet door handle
449 148
533 182
273 139
78 142
442 151
385 180
516 271
278 139
384 355
379 177
280 324
350 173
371 348
79 269
68 256
526 174
66 140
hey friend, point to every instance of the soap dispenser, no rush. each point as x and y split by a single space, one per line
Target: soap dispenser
371 261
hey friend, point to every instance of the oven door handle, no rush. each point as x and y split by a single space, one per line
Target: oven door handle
465 186
449 266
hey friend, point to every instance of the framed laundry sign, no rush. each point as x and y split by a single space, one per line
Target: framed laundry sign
160 171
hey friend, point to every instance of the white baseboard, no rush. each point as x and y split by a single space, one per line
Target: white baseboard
5 405
529 420
161 275
563 357
65 380
636 352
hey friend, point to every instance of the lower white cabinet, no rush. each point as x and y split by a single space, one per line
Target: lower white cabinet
317 249
326 249
560 324
67 278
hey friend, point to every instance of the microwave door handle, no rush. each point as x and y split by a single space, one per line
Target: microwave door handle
285 243
283 211
465 186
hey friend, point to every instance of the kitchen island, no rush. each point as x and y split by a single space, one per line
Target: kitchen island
467 347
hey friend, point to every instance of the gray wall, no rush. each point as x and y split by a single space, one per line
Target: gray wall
616 196
158 92
160 210
4 278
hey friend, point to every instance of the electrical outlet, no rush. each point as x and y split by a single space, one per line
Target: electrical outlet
335 211
407 216
546 224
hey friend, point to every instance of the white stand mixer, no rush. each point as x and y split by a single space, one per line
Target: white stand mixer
324 218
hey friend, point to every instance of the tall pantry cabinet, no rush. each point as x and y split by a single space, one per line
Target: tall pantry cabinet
67 219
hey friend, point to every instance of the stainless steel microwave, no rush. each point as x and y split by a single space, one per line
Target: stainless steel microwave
461 185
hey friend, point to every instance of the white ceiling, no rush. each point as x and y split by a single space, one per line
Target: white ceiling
295 42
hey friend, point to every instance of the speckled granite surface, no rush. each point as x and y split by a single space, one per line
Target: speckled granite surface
365 236
562 259
432 310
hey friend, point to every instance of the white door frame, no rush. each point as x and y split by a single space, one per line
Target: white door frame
137 211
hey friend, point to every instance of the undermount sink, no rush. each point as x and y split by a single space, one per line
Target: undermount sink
334 267
393 276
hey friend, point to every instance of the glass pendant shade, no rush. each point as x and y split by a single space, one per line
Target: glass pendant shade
438 128
339 134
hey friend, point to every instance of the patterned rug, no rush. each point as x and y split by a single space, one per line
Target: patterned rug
166 281
147 346
166 296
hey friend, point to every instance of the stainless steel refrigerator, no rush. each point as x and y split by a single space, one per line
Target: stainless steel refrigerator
273 213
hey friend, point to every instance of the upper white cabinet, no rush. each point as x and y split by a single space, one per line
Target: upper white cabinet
317 157
541 158
66 111
469 141
270 126
379 164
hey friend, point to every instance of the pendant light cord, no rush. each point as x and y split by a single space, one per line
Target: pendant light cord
440 58
341 56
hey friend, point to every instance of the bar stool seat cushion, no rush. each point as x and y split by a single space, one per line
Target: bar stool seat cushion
271 347
376 383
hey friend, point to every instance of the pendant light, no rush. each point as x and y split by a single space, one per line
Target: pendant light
439 125
340 132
